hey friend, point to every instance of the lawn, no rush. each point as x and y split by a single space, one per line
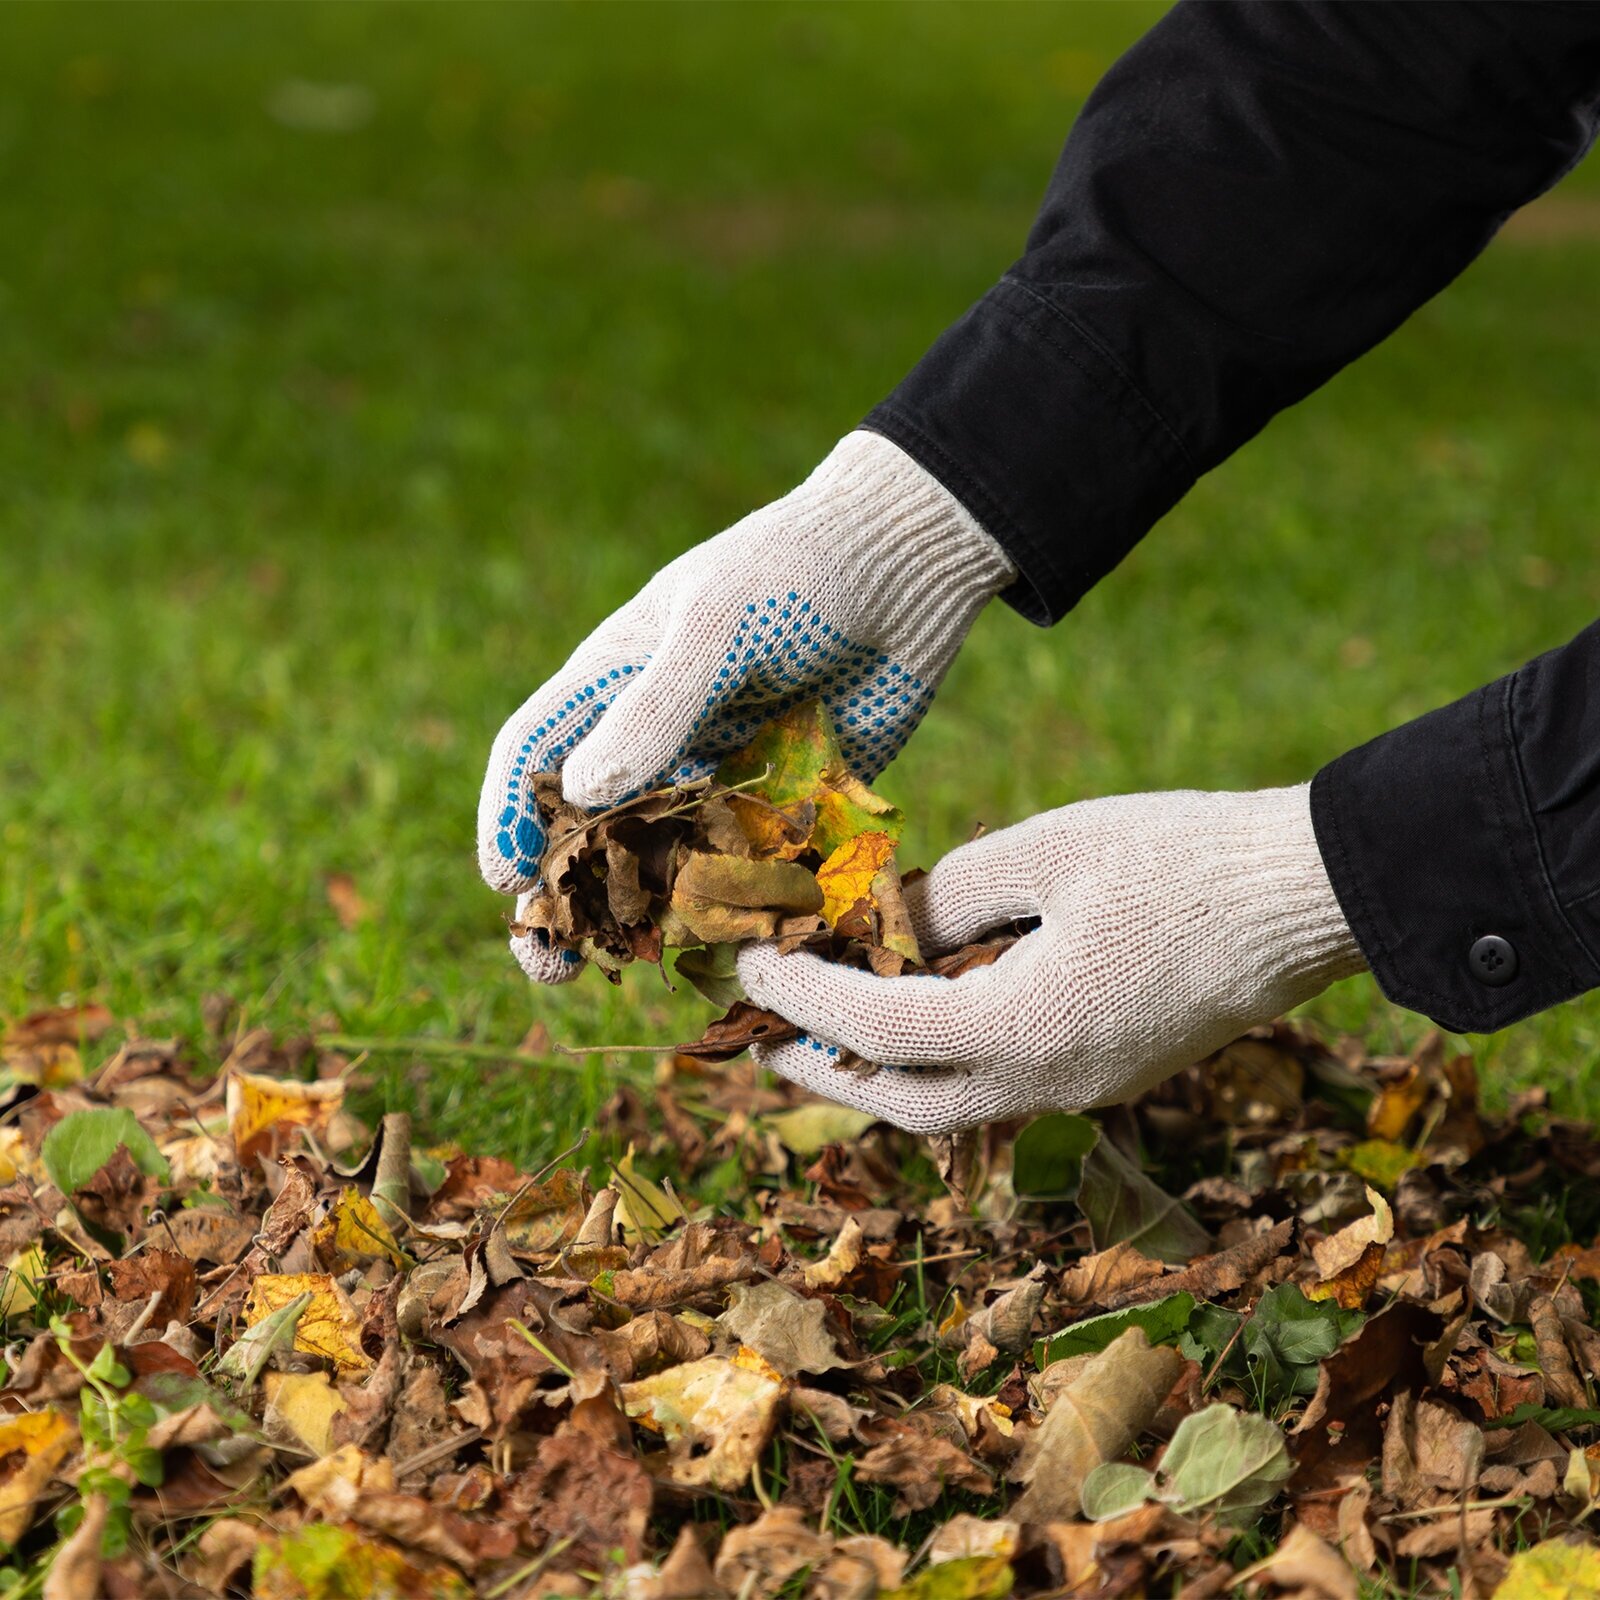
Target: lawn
355 360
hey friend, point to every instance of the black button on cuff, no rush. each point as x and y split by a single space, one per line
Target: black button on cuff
1493 961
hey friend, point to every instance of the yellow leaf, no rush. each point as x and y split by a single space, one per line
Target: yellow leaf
645 1210
1396 1104
32 1446
329 1487
1553 1570
263 1112
958 1314
846 876
715 1415
300 1410
321 1560
26 1269
47 1064
327 1327
353 1234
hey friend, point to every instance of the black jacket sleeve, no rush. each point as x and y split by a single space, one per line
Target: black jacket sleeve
1254 195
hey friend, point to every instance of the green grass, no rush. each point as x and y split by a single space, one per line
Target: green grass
321 449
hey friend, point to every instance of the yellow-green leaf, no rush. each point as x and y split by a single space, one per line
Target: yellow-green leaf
1553 1570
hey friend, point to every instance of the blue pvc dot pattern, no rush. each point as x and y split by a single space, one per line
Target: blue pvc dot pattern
781 653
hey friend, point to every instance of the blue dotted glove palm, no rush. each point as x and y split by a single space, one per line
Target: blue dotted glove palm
857 588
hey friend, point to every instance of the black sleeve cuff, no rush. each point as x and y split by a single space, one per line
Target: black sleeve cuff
1023 416
1449 843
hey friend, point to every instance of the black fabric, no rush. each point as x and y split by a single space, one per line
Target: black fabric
1480 818
1253 196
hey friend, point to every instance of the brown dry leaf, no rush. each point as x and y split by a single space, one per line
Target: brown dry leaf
785 1329
723 899
1342 1250
1094 1279
583 1488
734 1032
208 1235
60 1025
921 1467
1563 1386
328 1327
345 900
714 1414
842 1259
546 1217
1094 1419
32 1446
1255 1081
75 1572
160 1279
264 1113
224 1547
1308 1565
685 1574
759 1559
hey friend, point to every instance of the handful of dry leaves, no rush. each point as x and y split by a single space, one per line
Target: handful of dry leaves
783 842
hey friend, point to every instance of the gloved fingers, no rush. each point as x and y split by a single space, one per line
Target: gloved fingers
538 737
646 731
930 1101
976 887
925 1021
541 960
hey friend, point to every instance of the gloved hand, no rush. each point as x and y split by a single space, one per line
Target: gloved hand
1170 924
856 588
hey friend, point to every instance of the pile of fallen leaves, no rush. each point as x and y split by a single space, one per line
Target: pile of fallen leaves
1298 1322
782 843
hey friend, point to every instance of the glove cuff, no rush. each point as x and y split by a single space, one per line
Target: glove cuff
1303 930
906 539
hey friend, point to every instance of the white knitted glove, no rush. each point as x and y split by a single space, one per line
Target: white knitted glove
1170 924
856 588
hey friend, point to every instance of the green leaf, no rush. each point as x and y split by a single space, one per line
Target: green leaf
1380 1162
1210 1330
1558 1419
1115 1487
427 1172
105 1368
172 1392
1223 1462
713 970
1123 1206
1047 1157
82 1142
145 1464
810 1128
970 1578
1162 1320
1287 1337
249 1354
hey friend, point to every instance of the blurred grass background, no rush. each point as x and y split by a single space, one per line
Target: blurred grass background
356 359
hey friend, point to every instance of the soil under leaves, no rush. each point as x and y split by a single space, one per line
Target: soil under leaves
1300 1321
